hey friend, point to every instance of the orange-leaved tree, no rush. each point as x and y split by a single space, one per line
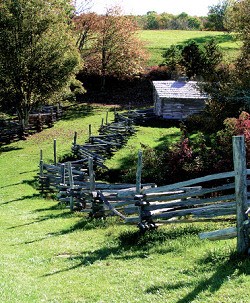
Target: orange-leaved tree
109 44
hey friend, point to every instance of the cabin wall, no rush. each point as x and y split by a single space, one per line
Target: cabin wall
181 108
177 99
177 108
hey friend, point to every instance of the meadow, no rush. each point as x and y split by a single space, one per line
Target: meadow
157 41
51 255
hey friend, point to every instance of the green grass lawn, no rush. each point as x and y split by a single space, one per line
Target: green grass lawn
51 255
157 41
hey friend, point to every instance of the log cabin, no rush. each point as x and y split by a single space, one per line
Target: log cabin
177 99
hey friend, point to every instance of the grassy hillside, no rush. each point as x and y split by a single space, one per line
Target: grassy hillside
51 255
158 40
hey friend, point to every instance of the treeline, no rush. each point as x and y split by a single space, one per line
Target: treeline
183 21
215 20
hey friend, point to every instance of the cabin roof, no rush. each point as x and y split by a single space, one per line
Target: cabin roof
178 90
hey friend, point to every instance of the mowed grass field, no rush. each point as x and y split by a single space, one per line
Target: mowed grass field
51 255
157 41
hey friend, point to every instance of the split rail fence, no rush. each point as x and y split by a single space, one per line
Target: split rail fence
222 196
11 130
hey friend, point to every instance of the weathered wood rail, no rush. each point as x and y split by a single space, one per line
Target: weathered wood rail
188 201
179 202
137 116
11 130
145 204
74 181
100 147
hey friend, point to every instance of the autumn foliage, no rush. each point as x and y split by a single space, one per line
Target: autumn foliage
109 45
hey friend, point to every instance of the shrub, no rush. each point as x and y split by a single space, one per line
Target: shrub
159 73
195 155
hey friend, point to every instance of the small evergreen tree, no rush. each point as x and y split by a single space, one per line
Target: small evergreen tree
192 59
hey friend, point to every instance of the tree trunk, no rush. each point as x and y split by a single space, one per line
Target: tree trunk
23 117
103 83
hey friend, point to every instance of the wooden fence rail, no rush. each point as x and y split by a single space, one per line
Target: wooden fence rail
146 204
11 130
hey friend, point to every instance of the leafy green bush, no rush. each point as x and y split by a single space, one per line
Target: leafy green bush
195 155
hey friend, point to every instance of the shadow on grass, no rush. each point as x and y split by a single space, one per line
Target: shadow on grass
223 38
29 171
158 122
10 185
34 182
225 266
77 111
34 196
129 245
45 218
218 38
6 149
83 224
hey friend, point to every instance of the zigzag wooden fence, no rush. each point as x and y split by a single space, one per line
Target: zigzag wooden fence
74 181
215 197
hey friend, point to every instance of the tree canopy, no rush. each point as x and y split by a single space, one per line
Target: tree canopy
37 53
216 19
193 59
109 45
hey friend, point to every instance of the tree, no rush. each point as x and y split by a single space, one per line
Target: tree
165 20
211 58
172 59
37 54
112 47
193 59
194 23
152 20
216 16
239 21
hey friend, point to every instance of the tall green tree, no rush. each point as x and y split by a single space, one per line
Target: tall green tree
37 54
216 16
229 85
193 59
239 22
238 19
152 20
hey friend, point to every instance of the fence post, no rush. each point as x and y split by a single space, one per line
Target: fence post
90 131
239 157
54 151
75 139
107 115
91 174
138 173
71 184
41 175
63 173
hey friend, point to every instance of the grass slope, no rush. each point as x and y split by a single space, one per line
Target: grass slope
51 255
157 41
